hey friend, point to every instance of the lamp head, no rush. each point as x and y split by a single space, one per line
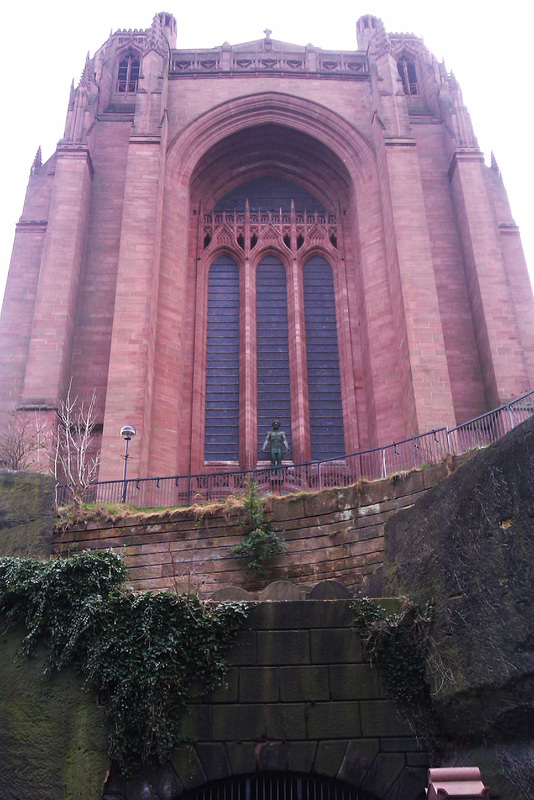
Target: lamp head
127 432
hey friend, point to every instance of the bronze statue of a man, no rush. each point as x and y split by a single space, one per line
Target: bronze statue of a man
277 440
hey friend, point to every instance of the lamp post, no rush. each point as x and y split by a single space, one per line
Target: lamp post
127 433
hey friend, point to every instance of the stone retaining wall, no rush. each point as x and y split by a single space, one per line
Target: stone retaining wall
332 534
299 699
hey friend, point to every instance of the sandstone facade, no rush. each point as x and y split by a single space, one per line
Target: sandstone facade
381 187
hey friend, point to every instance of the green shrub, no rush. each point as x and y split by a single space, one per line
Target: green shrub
259 543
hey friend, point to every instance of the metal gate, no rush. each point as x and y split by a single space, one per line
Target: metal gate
277 786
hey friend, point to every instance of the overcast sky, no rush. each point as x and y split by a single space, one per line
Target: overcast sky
489 50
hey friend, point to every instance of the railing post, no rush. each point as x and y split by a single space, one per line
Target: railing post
510 417
383 462
319 475
189 490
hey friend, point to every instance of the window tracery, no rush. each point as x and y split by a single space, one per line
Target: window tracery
408 76
128 74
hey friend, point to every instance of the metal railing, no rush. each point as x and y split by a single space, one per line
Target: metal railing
378 462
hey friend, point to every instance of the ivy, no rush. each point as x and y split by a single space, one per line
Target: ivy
260 543
399 643
142 653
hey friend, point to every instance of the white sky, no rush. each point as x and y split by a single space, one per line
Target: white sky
487 46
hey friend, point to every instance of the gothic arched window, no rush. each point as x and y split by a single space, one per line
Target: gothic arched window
128 74
221 441
272 336
408 76
324 382
272 347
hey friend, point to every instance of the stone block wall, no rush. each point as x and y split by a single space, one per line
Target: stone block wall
333 534
298 698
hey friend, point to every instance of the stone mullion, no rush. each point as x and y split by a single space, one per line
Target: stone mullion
346 356
300 408
248 369
198 411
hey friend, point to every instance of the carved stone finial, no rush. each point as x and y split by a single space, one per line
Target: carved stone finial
87 74
37 161
494 165
267 33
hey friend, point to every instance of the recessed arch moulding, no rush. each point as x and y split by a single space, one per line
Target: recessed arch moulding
275 136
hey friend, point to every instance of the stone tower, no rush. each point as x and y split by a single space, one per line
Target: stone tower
226 235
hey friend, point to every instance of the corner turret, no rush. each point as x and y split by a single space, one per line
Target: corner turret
168 27
367 28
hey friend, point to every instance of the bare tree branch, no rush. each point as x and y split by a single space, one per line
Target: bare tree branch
75 461
23 435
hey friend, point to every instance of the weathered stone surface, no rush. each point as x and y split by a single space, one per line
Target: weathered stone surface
242 757
358 759
282 510
329 590
321 502
380 718
334 720
270 616
410 483
468 546
294 645
385 769
273 756
301 756
188 766
238 722
244 650
259 685
196 722
231 593
329 757
304 683
52 737
213 759
354 680
26 513
282 590
286 721
331 646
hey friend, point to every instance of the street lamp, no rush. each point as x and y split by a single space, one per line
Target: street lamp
127 433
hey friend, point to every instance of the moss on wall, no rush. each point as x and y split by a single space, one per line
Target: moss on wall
26 513
52 736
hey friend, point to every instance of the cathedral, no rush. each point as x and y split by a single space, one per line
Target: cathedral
265 230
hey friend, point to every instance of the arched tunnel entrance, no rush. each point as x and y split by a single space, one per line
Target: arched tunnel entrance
278 786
